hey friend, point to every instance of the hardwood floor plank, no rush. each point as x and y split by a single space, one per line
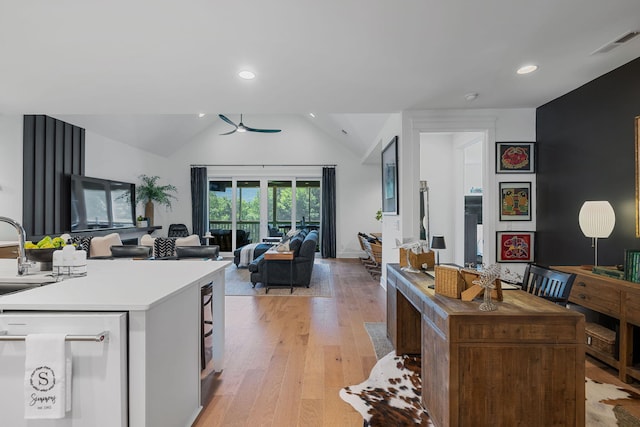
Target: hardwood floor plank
267 394
311 413
244 399
313 375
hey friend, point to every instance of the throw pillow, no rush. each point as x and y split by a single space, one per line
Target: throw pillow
294 246
192 240
164 247
101 245
82 243
293 232
147 240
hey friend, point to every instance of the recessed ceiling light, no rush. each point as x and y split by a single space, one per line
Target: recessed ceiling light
471 96
312 115
526 69
247 75
201 115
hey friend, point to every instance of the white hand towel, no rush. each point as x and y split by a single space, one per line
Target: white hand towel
45 376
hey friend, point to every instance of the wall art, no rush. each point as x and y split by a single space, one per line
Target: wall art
515 157
515 201
515 246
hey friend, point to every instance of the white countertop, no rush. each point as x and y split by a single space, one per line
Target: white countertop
5 243
113 285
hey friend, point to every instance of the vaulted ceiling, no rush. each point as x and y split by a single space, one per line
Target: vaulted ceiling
148 67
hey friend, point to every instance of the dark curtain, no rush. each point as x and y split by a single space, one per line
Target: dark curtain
199 201
328 226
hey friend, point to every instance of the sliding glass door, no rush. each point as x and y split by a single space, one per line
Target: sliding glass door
279 207
247 211
308 204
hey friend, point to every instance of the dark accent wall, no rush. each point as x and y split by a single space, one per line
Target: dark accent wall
52 150
586 151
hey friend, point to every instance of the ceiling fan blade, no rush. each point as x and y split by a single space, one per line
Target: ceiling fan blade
262 130
240 127
227 120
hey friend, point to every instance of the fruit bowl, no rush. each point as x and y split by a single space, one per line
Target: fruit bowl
43 256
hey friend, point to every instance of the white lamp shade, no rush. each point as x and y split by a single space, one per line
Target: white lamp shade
597 219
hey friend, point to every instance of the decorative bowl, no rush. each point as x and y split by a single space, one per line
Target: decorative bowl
43 256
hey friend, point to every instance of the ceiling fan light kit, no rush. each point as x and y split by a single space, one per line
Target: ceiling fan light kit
240 127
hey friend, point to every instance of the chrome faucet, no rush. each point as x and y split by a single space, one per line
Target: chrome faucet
23 263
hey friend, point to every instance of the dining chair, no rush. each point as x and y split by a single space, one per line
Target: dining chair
552 285
130 251
177 230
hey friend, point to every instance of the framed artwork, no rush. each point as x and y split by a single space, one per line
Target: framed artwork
515 246
515 157
390 178
515 201
637 127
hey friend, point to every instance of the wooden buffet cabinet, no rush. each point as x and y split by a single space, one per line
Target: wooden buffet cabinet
616 298
523 364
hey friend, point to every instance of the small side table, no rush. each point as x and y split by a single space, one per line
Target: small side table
273 255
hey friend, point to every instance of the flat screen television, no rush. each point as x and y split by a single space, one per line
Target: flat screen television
101 203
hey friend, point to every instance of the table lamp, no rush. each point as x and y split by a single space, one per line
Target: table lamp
596 219
438 243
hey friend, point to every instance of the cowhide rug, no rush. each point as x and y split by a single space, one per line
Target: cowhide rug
392 396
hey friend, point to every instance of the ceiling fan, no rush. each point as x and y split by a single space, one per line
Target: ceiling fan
242 128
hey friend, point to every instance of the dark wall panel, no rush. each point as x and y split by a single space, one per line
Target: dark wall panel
585 148
52 150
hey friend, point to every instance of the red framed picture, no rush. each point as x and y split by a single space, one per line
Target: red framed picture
515 157
515 246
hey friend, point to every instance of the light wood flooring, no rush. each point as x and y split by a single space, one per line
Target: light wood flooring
287 357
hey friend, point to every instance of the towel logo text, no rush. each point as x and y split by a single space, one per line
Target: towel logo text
43 378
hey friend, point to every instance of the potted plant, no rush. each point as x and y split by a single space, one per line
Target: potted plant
141 221
149 191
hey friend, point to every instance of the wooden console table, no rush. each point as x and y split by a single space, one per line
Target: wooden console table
523 364
616 298
273 256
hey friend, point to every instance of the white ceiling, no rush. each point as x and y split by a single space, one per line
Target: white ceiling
348 61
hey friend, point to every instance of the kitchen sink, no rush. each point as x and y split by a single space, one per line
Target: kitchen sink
15 283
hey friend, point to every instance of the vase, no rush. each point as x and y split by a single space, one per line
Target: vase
148 212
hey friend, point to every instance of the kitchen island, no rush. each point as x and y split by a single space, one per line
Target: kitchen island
161 300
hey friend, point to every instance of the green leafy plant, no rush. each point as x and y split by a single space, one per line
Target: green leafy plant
150 191
379 215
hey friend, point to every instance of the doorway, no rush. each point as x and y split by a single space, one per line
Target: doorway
452 164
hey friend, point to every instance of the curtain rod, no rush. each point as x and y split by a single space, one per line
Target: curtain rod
246 165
